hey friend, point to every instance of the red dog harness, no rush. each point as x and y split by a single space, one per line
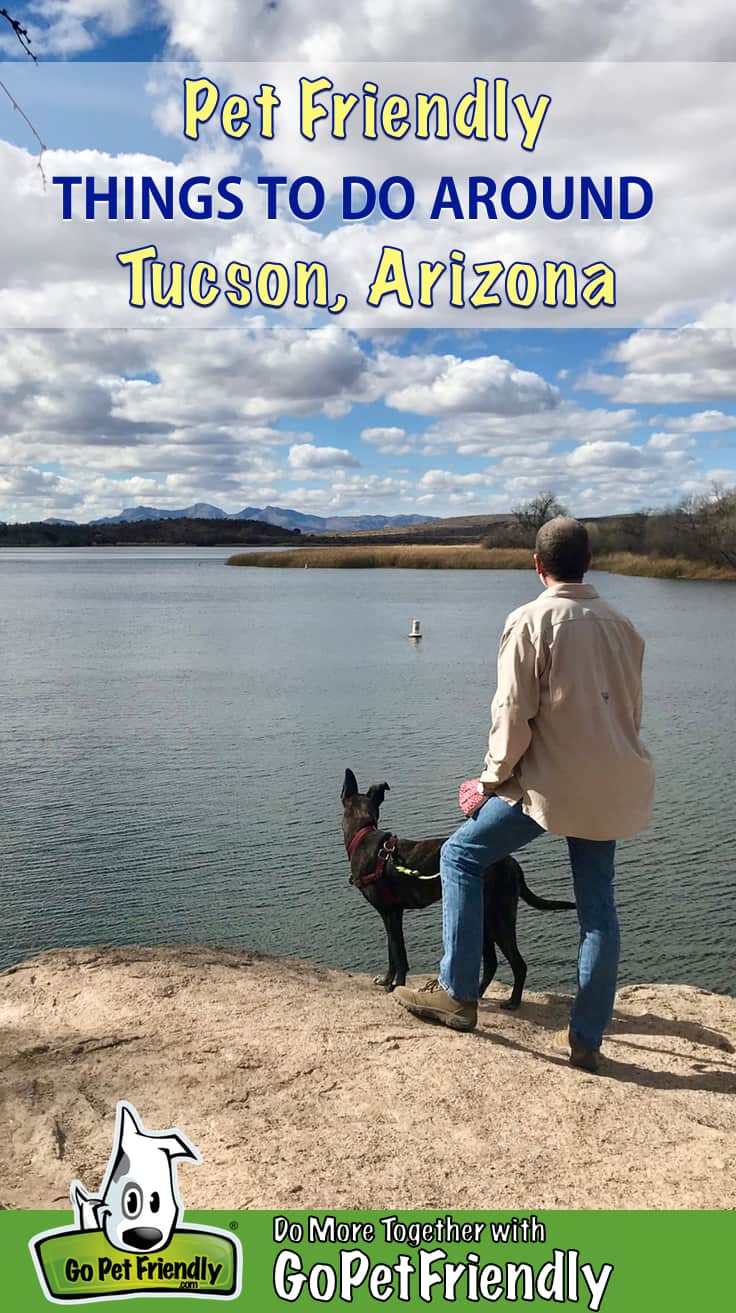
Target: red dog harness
387 849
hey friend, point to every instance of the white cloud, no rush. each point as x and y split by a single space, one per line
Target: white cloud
254 372
201 417
348 492
671 441
184 412
494 435
703 421
657 389
440 29
608 456
437 385
708 343
392 441
696 362
27 481
449 481
306 456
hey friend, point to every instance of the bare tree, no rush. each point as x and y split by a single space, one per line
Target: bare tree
709 521
531 515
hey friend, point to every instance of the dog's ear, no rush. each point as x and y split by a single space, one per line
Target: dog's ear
349 786
129 1125
176 1146
377 792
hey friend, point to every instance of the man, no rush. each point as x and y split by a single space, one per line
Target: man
564 757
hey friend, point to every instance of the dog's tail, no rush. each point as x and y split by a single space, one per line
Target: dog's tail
542 904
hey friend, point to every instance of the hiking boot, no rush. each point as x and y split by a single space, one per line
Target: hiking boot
582 1056
577 1053
433 1003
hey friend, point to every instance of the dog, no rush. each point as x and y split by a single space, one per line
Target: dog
396 875
138 1205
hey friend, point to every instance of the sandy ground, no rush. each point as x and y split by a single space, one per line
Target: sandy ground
304 1087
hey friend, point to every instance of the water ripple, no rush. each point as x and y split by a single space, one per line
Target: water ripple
174 741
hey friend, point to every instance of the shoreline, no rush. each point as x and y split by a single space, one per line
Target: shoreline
474 557
306 1087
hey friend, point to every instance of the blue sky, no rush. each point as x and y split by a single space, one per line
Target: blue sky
321 415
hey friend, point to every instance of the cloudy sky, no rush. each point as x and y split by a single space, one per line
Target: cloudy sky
101 408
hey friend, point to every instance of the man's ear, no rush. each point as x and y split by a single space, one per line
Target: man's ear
377 792
349 786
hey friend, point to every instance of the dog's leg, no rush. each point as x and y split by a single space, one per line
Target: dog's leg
387 981
506 940
393 920
490 963
402 962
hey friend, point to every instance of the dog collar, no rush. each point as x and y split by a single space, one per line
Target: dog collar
367 829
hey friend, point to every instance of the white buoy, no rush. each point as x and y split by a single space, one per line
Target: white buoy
415 629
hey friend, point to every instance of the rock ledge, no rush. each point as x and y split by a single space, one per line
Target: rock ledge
304 1087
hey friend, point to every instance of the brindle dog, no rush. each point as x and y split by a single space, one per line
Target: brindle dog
392 891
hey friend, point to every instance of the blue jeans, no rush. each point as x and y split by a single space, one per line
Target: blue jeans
494 832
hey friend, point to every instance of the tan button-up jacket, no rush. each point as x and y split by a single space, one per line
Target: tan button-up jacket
566 714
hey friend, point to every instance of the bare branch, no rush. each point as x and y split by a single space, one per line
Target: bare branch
25 41
21 33
24 116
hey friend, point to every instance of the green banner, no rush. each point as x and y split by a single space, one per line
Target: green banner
81 1265
620 1262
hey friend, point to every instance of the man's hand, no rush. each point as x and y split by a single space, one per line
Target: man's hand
471 796
488 789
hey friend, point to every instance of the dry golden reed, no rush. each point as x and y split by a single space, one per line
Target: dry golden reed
439 557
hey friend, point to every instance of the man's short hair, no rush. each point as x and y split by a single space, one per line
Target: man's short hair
563 547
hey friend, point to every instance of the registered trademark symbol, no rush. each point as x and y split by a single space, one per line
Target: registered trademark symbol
233 1226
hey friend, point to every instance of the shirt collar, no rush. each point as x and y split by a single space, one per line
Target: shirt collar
570 590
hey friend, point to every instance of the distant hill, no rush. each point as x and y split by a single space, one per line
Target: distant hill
281 516
137 526
452 529
138 514
621 532
183 532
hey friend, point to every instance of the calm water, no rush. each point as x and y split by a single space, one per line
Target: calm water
174 735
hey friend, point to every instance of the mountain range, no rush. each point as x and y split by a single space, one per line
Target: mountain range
278 515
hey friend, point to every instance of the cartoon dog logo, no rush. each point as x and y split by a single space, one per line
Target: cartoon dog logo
138 1206
137 1212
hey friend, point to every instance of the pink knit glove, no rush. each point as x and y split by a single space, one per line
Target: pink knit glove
471 797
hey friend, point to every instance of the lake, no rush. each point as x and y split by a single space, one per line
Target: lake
175 734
